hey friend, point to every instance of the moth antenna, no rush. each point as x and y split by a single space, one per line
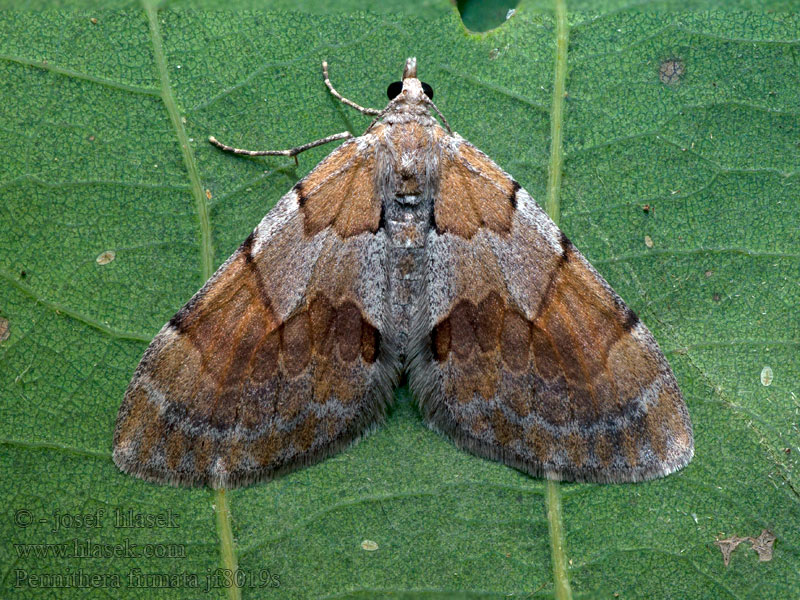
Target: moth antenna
381 114
289 152
441 116
337 95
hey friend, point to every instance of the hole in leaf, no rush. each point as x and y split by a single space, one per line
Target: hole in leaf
483 15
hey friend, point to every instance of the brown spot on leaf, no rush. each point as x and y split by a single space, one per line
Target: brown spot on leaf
727 546
4 329
762 545
671 71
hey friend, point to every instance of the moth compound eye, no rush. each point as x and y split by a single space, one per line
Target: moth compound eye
394 89
428 90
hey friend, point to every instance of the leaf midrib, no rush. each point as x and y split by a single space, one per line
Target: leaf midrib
206 247
555 520
220 501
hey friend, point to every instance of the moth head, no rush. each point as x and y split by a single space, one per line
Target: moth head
412 89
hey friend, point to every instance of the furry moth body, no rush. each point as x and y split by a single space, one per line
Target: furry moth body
405 250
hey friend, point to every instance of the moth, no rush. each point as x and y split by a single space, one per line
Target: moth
407 251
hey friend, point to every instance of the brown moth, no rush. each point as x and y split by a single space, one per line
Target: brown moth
407 250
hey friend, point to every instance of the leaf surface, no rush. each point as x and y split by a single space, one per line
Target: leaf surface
679 182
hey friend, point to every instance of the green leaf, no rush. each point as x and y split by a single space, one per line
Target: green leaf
693 115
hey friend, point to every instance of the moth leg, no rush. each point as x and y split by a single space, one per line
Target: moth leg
290 152
338 96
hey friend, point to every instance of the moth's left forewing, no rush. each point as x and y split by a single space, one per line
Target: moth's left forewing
526 354
284 356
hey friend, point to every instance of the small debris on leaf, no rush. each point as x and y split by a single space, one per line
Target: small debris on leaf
106 257
766 376
762 545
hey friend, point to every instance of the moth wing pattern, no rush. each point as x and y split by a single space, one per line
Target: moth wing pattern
407 248
284 356
524 354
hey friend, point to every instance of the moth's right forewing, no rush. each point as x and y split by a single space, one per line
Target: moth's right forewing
284 356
